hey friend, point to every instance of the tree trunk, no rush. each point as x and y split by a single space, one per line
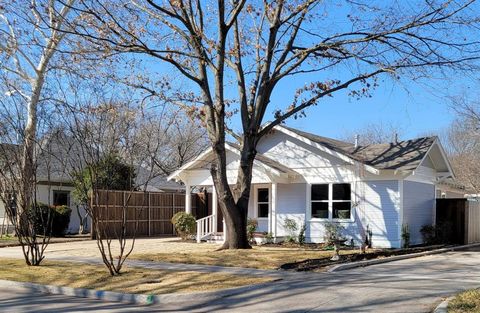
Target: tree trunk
234 203
28 169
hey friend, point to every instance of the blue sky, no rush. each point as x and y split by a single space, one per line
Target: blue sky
414 111
413 108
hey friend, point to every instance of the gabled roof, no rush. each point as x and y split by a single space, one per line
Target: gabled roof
265 160
402 155
235 148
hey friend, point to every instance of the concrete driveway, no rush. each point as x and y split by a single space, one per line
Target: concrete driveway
413 285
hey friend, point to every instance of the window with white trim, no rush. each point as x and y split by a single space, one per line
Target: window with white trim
262 202
331 201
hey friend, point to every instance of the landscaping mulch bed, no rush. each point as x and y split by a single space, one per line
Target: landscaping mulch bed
318 264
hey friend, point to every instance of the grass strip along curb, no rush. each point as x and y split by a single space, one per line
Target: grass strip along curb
129 298
346 266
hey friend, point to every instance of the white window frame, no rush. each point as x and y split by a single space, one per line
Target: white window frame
330 203
256 203
322 201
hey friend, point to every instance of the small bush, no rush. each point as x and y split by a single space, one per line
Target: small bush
184 224
269 237
49 220
61 219
291 227
429 236
333 232
405 236
252 225
301 234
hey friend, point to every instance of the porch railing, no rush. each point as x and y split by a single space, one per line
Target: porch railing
206 227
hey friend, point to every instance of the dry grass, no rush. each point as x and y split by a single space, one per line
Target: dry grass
468 301
133 280
259 257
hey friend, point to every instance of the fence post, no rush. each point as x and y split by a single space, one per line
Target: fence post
149 214
173 213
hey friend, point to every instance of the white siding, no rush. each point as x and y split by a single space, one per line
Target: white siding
418 207
312 164
381 211
291 204
202 177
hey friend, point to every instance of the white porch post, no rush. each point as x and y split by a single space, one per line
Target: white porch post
188 199
214 208
272 225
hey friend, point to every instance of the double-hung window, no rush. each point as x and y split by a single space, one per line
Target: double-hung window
331 201
262 202
320 201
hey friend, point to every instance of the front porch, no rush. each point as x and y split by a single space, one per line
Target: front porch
262 207
266 176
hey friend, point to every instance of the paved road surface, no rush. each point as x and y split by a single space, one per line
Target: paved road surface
413 285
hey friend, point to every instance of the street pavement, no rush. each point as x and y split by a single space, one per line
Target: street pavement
413 285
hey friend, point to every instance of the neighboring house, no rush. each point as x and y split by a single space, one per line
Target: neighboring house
314 179
55 163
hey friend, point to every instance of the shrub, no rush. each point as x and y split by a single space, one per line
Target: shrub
252 225
301 234
49 220
428 234
184 224
61 219
333 232
405 236
291 227
269 237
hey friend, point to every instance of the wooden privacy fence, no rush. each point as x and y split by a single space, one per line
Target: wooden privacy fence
461 218
146 214
472 217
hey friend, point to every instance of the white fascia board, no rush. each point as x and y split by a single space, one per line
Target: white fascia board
176 175
256 162
444 156
320 147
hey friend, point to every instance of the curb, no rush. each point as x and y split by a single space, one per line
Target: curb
346 266
128 298
442 307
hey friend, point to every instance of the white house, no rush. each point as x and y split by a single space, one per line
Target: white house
57 159
314 179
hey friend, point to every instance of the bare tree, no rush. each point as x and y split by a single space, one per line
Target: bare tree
463 143
373 133
234 55
172 141
31 35
107 140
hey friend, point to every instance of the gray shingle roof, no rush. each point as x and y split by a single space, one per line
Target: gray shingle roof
402 155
